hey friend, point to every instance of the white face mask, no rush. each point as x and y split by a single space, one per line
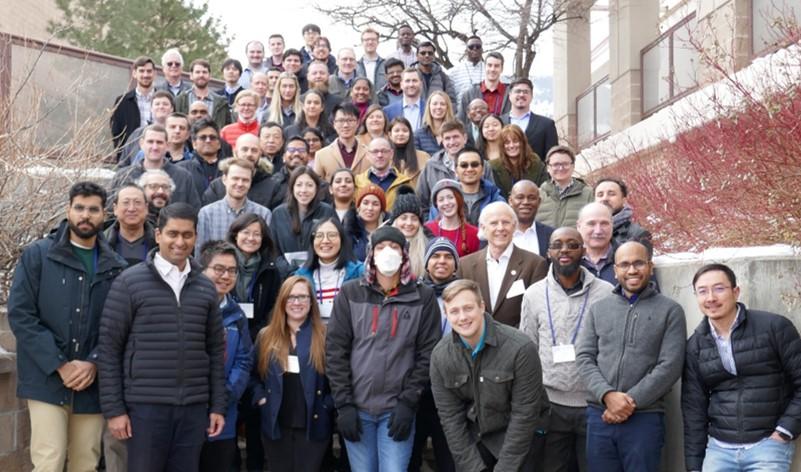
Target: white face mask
388 261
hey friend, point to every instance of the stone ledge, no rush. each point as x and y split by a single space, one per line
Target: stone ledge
8 362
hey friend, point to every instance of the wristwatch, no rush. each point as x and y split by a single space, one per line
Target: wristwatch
784 435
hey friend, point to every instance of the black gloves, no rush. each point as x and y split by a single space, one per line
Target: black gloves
348 423
400 422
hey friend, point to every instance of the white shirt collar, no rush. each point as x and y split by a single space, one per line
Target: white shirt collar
506 254
165 267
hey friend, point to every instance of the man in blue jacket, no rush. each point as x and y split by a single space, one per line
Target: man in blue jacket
54 310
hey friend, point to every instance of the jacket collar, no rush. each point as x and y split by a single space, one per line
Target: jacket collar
648 292
704 329
61 251
194 267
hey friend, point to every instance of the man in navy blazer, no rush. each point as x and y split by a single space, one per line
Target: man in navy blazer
411 106
540 130
126 117
530 235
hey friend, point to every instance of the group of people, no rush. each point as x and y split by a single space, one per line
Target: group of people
378 252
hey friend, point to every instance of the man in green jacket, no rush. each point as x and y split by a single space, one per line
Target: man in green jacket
563 195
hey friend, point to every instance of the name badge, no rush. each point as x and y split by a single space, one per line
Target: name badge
518 288
247 308
563 353
293 366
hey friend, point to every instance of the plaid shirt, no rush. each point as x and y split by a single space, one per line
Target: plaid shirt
214 219
144 103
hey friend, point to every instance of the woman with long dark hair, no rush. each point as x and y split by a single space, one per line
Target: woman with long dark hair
489 137
292 221
291 388
343 190
361 95
517 161
408 159
330 263
365 217
312 115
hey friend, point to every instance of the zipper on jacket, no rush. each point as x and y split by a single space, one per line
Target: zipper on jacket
623 347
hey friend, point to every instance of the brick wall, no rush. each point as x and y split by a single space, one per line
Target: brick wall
14 423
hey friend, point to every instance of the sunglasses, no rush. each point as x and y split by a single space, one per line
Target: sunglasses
425 53
465 165
474 47
173 64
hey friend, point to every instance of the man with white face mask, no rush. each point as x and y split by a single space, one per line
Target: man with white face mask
382 330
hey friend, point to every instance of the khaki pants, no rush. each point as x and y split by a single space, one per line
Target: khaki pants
57 434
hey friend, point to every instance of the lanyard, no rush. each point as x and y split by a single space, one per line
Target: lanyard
249 290
580 317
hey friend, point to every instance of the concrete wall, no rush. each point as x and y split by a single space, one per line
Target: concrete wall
15 429
770 279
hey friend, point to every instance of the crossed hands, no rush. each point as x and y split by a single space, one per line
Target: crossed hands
619 406
77 375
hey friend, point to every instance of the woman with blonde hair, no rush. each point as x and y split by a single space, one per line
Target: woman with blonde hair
438 110
285 105
517 162
292 390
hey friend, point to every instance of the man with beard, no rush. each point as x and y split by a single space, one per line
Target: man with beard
530 235
296 154
318 78
130 234
614 193
158 187
54 309
391 92
262 189
200 75
552 313
204 165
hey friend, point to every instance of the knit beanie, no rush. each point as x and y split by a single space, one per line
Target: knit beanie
406 201
441 244
372 190
443 184
387 233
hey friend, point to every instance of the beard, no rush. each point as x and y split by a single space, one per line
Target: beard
567 270
85 233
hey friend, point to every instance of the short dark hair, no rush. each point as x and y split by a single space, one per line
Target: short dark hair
392 62
201 63
426 44
216 247
202 124
123 187
270 124
713 268
495 55
164 94
177 114
276 35
325 40
244 220
310 27
466 150
615 180
177 211
142 60
231 62
561 149
347 108
451 125
472 36
297 137
292 52
522 80
88 189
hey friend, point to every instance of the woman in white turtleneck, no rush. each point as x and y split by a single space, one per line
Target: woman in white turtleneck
330 263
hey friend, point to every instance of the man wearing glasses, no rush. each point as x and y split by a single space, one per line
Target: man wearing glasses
381 172
540 130
469 72
478 192
563 196
630 353
172 63
741 390
553 314
207 154
345 151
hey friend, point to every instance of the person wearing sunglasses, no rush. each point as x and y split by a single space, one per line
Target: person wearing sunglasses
434 76
478 192
172 63
291 388
552 315
470 71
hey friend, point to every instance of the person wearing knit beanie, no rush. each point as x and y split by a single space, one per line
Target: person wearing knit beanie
442 244
372 190
406 202
406 217
387 233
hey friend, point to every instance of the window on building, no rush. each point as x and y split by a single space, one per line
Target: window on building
594 112
774 23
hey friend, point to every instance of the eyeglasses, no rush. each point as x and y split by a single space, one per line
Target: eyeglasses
164 187
219 270
465 165
331 236
293 150
132 203
474 47
638 265
298 299
560 165
717 290
380 151
207 137
558 246
425 53
174 64
93 210
249 234
520 91
246 105
345 121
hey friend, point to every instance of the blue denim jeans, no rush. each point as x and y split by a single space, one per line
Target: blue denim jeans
632 446
766 455
376 451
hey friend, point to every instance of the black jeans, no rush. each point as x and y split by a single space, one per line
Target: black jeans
566 441
428 424
165 437
218 456
294 453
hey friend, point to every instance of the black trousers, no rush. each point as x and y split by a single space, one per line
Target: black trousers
532 463
166 438
428 424
294 453
251 417
218 456
566 441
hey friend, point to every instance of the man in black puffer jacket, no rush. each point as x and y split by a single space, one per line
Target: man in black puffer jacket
162 381
741 391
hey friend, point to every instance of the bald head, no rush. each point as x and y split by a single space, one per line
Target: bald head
247 147
595 225
566 232
565 251
525 201
593 210
633 267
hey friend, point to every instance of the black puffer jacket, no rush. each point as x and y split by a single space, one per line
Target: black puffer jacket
156 350
765 393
